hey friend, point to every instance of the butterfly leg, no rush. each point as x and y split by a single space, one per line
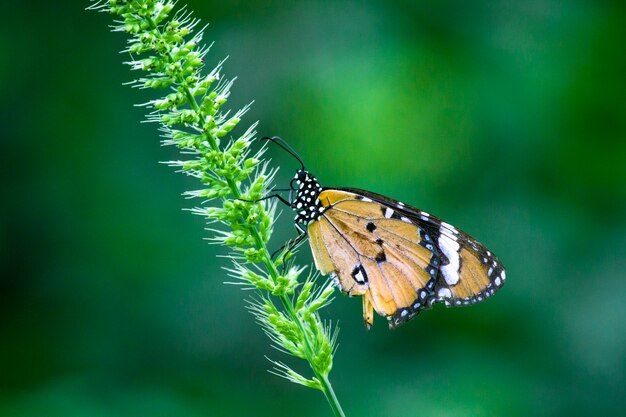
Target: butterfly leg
267 197
289 246
368 311
296 242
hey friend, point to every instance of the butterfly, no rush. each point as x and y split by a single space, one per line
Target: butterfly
400 259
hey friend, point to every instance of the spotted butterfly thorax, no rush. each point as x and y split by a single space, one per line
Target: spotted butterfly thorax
307 204
400 259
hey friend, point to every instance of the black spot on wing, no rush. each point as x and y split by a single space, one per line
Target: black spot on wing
370 227
359 274
381 257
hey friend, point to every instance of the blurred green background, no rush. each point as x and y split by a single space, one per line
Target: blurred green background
507 119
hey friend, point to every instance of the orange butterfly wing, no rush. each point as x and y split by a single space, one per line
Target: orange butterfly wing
384 260
400 259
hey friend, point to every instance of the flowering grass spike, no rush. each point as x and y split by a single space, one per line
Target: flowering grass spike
167 47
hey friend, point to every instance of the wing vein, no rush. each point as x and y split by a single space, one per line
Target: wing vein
382 227
343 237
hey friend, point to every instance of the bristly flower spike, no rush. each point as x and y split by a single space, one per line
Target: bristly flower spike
168 49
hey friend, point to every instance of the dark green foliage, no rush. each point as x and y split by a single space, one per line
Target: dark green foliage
507 119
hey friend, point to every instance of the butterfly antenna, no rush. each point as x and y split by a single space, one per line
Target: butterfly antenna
280 142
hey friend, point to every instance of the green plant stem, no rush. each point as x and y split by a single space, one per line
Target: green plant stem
325 384
331 397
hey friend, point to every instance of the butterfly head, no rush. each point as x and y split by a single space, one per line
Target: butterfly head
307 205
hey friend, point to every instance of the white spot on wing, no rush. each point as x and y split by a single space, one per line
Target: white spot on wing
367 200
405 219
444 293
450 248
449 227
388 213
359 277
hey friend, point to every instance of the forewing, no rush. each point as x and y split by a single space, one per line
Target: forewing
468 272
